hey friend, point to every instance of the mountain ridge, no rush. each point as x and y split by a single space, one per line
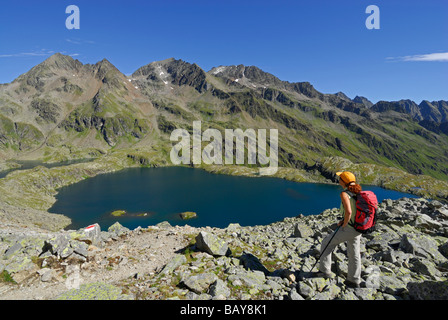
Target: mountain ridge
63 108
238 71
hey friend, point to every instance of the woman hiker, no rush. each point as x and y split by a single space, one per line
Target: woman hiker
344 233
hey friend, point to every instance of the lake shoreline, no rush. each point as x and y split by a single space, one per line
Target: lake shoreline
28 194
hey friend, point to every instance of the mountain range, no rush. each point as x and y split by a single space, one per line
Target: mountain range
63 109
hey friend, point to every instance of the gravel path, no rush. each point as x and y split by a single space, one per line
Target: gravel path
142 252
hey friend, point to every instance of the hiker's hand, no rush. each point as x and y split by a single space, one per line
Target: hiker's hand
342 224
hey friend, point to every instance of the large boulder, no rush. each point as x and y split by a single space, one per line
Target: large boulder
421 246
425 222
211 244
428 290
90 235
391 284
63 246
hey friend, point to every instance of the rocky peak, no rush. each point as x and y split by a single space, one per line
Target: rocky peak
101 68
51 69
64 62
363 100
235 72
343 96
177 72
250 76
105 65
150 70
107 73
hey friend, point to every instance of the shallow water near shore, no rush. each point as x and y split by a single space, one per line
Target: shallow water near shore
153 195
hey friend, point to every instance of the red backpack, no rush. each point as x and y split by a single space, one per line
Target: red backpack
366 208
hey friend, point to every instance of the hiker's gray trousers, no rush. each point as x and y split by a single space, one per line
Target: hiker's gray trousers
352 237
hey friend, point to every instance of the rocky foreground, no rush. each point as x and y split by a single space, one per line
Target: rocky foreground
405 258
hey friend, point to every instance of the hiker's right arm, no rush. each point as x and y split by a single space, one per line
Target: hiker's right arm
347 209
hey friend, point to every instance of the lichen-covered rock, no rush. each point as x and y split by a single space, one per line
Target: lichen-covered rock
199 283
219 290
174 263
391 284
251 279
428 290
95 291
59 245
63 246
90 235
302 230
211 244
117 230
421 246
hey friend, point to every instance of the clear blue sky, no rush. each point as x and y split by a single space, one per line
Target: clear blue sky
323 42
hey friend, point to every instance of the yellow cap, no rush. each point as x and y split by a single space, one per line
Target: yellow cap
346 176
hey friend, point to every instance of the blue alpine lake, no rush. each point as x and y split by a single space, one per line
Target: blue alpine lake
153 195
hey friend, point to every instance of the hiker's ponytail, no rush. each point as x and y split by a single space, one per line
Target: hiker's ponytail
354 188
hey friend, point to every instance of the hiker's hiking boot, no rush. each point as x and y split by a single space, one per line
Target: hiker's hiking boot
351 284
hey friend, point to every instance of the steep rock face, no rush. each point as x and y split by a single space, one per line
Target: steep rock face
19 135
109 75
183 73
46 110
402 106
442 107
430 112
